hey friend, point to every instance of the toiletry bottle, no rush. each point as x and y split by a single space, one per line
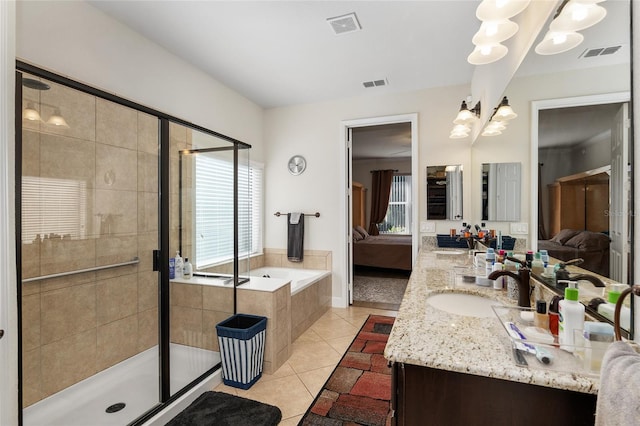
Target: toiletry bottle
554 317
541 318
498 283
172 268
537 267
179 265
187 271
571 317
499 241
544 256
607 309
529 258
489 259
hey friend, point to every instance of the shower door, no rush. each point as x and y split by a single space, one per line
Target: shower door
88 230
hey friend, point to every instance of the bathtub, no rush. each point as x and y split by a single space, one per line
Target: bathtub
300 278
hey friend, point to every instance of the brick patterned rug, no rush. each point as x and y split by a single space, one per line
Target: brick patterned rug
358 391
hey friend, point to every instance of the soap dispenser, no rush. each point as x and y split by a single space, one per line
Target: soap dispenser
571 317
179 265
187 271
608 309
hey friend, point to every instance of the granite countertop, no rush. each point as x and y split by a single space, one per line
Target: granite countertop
425 336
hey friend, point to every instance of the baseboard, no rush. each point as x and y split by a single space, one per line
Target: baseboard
339 302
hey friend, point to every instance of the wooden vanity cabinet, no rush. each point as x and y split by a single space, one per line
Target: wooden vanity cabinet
428 396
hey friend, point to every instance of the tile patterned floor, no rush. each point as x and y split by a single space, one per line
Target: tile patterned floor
315 354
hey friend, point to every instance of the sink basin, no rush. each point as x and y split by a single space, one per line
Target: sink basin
447 252
468 305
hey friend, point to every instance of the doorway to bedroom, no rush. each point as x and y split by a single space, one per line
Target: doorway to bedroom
382 213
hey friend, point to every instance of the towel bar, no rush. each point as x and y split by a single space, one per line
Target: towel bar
316 214
134 261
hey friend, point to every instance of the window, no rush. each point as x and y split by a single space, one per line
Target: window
214 210
55 208
398 218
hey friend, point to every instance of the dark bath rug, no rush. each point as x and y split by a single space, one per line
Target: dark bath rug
223 409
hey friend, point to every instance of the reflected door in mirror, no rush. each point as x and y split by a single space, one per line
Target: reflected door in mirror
501 191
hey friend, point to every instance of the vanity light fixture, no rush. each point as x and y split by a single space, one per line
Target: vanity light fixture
499 120
31 113
57 119
465 118
495 28
572 16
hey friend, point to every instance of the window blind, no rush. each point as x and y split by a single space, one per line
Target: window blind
398 215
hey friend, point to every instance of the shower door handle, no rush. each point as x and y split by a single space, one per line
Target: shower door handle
1 333
156 260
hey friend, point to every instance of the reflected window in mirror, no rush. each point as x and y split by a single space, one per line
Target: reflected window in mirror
444 192
501 191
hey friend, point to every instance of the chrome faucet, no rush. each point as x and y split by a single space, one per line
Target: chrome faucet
523 278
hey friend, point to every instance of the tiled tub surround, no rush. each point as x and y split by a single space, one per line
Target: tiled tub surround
76 326
428 337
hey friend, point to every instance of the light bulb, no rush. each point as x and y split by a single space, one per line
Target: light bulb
559 38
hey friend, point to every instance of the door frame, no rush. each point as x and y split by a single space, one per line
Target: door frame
346 217
536 106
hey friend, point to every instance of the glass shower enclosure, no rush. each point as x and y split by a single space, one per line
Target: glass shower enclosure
107 337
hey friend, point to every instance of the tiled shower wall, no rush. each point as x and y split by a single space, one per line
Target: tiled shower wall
76 326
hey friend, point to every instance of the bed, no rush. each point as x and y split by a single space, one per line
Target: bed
569 244
382 251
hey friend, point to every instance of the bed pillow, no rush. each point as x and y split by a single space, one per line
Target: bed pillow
564 235
363 231
589 240
357 236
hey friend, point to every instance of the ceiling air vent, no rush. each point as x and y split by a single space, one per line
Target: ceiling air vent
600 51
375 83
345 23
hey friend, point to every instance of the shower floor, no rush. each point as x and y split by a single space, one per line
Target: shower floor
134 381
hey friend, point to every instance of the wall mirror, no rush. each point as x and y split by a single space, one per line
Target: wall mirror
580 147
501 191
444 192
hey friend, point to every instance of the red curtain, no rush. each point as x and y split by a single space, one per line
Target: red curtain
380 191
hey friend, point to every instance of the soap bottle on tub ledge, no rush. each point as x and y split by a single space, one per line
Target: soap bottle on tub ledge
179 265
187 270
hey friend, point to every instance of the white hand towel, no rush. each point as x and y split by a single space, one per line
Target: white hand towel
619 394
294 218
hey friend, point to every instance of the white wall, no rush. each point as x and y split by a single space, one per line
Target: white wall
314 131
77 40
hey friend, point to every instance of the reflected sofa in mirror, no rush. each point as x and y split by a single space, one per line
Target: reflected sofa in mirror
501 191
444 192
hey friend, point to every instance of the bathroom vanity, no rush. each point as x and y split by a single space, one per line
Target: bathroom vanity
451 369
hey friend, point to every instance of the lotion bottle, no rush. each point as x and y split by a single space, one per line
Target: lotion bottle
571 317
179 266
187 271
498 283
537 266
608 309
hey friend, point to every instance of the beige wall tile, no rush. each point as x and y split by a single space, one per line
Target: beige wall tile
116 168
186 295
66 158
147 172
67 312
31 377
147 211
217 298
116 298
186 325
148 289
113 249
52 284
30 322
177 136
123 208
148 135
255 302
315 262
68 361
30 260
31 288
62 255
116 124
117 341
209 321
77 108
147 329
147 242
30 153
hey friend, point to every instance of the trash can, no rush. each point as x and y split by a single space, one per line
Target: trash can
241 339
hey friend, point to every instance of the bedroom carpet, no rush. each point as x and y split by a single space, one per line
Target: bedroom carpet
378 292
223 409
358 391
